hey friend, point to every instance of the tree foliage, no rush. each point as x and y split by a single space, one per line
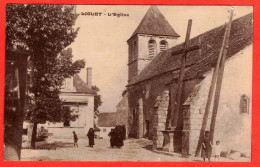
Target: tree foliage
45 104
97 99
46 30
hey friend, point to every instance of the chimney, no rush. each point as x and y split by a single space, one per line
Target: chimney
89 77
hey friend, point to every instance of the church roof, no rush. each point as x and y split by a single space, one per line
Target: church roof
154 23
241 36
81 86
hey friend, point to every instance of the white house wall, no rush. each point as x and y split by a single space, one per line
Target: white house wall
83 123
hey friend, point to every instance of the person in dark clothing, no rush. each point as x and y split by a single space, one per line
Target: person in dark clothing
75 137
91 137
112 137
206 147
118 137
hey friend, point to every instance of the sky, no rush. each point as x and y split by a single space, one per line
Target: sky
101 40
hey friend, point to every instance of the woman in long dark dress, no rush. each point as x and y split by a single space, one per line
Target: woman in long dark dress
112 137
206 147
91 137
118 137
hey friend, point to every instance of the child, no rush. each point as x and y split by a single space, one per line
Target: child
206 147
75 139
218 150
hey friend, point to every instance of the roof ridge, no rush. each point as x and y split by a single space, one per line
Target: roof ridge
154 23
242 34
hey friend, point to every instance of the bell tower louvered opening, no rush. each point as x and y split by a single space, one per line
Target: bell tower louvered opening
163 46
152 48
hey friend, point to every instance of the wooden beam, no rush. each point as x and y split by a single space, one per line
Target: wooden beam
219 80
210 95
176 110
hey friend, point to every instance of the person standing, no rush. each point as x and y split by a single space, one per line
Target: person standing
112 137
75 137
91 137
119 137
206 147
218 150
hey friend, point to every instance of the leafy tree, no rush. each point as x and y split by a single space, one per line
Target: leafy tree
46 30
97 99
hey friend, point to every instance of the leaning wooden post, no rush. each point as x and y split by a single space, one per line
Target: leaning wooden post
219 80
181 77
210 95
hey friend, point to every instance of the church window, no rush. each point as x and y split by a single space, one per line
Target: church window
244 104
152 48
163 45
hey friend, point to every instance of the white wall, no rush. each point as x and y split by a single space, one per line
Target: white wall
104 132
232 128
83 123
143 51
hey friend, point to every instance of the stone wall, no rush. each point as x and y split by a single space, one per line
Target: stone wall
148 91
159 118
122 113
233 128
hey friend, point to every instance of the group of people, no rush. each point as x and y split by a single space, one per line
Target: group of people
207 148
117 136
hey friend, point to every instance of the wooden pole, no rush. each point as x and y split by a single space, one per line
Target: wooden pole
219 80
210 95
175 115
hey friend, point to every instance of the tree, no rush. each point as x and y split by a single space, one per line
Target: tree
97 99
46 30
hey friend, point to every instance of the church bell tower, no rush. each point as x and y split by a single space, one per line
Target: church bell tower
153 35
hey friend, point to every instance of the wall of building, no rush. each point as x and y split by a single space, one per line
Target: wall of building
159 118
149 91
138 51
104 132
143 49
81 125
122 113
233 129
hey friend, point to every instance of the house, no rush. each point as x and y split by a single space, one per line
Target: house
153 86
106 122
80 97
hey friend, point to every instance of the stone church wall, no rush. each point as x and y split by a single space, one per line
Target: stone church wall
233 128
148 92
159 118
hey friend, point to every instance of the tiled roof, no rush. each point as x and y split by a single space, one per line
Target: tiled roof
240 37
107 119
81 86
154 23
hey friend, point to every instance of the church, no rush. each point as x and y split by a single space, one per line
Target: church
153 73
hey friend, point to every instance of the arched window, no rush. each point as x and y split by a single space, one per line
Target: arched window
152 48
244 106
163 46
